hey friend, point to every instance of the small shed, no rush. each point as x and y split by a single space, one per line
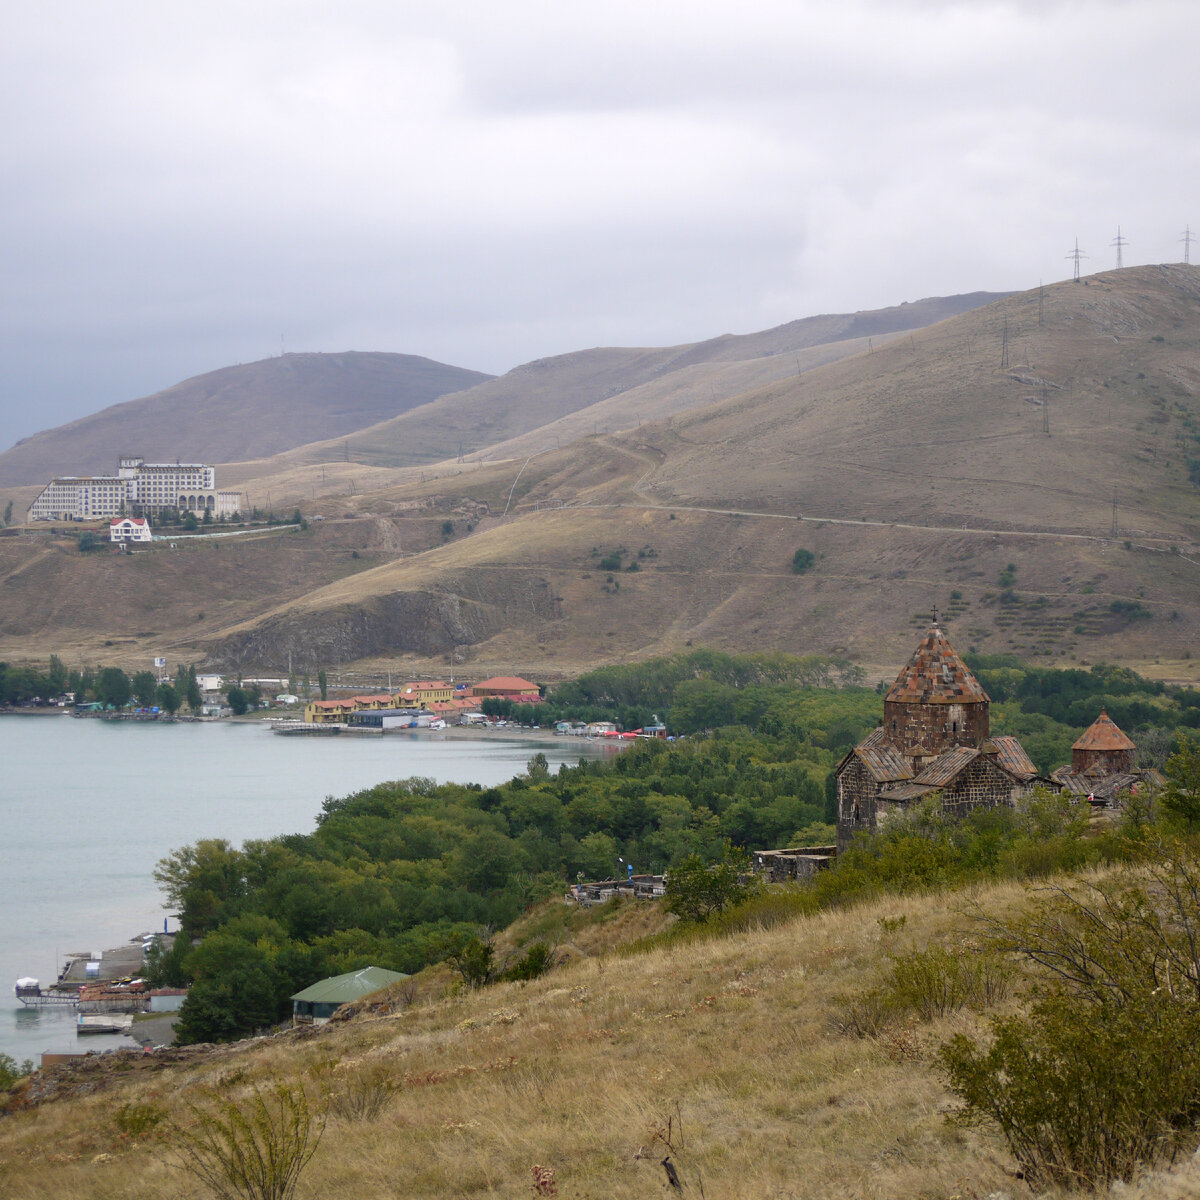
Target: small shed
318 1002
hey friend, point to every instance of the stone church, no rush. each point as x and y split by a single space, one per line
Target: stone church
935 737
1102 766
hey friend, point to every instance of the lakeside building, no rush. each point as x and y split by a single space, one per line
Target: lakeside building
138 489
935 738
508 687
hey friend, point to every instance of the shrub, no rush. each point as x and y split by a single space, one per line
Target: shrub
136 1120
936 982
536 961
1101 1075
367 1093
252 1151
697 890
802 560
11 1071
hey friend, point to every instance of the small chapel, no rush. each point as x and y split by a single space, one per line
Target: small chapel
1103 767
935 736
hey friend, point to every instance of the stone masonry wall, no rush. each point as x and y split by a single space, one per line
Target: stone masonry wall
937 727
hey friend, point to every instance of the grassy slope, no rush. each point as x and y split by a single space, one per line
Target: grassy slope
733 1042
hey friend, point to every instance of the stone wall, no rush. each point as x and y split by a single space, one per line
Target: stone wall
856 789
937 727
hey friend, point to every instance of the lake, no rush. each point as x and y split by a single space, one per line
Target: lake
88 807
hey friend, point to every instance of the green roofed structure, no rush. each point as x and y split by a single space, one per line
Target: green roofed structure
318 1002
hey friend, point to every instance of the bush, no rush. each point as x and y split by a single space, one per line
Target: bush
11 1071
137 1120
536 961
936 982
802 560
697 890
368 1091
253 1151
1101 1076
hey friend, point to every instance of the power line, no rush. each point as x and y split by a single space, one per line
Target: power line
1046 411
1120 244
1076 255
1114 520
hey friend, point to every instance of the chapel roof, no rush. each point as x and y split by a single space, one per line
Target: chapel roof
936 675
1103 734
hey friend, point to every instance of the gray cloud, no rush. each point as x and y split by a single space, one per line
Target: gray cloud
490 183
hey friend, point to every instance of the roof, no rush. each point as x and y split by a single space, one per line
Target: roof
508 683
936 675
341 989
883 761
946 766
128 521
428 687
1103 734
1011 756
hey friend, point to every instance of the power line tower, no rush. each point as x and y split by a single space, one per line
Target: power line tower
1076 255
1120 244
1046 411
1004 345
1187 239
1114 520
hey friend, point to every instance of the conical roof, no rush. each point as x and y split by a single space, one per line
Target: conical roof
1103 734
936 675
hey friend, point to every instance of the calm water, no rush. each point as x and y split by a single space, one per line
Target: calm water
88 807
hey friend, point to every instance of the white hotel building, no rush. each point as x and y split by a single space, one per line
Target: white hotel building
138 488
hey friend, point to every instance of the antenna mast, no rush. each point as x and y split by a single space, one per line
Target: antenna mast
1187 239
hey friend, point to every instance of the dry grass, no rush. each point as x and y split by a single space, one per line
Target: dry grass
727 1049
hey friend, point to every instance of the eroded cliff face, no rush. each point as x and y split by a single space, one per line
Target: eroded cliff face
421 622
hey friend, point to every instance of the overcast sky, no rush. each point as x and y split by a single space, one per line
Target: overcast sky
490 181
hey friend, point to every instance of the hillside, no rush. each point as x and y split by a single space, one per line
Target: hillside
917 473
917 470
249 410
535 395
736 1056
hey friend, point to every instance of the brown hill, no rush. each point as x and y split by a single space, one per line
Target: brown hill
253 410
534 395
918 472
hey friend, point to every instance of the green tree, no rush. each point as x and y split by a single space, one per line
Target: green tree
145 687
237 699
168 698
7 514
113 687
697 890
203 883
323 684
802 560
10 1070
1181 797
253 695
57 679
87 541
190 523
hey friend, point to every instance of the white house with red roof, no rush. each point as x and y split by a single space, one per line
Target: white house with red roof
130 529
